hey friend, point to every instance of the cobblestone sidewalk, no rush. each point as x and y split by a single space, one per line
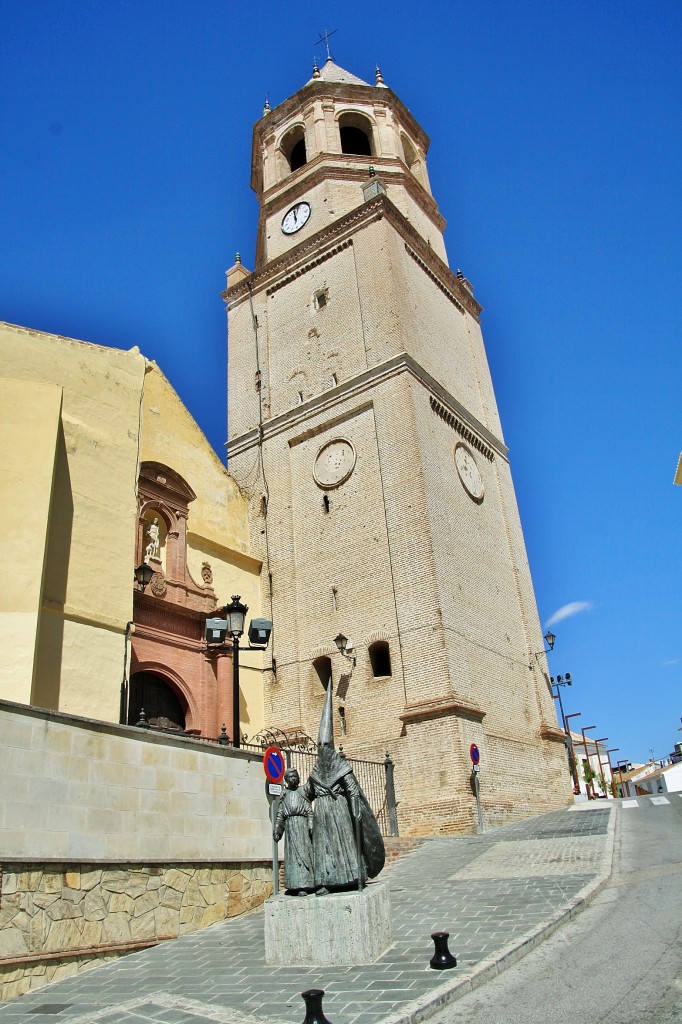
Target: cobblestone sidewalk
498 894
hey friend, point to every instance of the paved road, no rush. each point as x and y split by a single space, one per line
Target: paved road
620 960
492 892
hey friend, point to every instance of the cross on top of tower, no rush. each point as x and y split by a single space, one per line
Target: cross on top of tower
324 38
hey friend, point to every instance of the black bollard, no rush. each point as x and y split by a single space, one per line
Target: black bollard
442 959
314 1013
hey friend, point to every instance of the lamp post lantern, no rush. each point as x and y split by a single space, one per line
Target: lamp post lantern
574 768
235 613
217 631
558 682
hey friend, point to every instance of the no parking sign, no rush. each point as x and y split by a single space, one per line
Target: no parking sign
274 764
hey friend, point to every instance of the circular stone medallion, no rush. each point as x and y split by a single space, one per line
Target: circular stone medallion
334 463
469 473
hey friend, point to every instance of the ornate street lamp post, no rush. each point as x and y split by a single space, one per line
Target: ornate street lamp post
574 767
235 614
232 625
560 681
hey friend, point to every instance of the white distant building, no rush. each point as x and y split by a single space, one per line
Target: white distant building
667 779
595 754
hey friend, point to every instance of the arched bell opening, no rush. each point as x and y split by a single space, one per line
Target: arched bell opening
293 148
411 157
356 134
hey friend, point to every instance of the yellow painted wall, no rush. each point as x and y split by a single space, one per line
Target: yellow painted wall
29 433
87 582
71 415
218 530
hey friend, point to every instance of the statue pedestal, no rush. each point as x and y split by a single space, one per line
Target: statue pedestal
339 929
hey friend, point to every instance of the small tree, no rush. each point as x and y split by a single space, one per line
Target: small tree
589 775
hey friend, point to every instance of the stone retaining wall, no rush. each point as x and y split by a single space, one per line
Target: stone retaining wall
59 919
113 838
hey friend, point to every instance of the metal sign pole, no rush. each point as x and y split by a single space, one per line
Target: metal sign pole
275 858
477 786
274 765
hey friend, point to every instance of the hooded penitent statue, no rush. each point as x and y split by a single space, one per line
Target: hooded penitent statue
347 844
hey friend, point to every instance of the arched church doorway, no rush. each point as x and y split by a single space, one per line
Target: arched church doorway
163 708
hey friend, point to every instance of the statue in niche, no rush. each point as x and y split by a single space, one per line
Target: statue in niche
348 846
153 533
295 822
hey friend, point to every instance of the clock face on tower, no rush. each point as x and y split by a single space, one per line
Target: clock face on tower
296 218
334 463
469 473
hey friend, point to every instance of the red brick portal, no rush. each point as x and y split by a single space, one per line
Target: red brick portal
178 681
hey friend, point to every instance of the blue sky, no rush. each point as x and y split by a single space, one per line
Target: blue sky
555 159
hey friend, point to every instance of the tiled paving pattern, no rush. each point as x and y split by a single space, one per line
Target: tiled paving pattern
455 885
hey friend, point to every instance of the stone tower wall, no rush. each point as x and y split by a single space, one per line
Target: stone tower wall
365 335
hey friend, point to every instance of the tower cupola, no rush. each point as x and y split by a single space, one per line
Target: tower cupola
313 153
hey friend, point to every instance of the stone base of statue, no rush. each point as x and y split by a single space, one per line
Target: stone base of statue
337 929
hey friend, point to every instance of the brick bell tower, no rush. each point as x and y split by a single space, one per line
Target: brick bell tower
364 429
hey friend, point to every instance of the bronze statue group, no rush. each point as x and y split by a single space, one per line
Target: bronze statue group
332 839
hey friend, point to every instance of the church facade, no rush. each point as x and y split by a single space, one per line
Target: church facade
363 427
104 468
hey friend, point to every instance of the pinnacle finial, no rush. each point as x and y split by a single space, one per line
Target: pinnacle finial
324 38
266 106
380 77
316 70
238 259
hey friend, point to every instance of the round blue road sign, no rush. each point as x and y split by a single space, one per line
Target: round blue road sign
274 764
474 753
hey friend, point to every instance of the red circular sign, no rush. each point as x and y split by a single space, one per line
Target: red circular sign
474 753
274 764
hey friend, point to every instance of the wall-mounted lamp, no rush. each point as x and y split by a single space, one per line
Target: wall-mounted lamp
346 647
143 575
550 640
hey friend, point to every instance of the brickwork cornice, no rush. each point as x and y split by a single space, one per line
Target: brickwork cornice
345 168
356 388
317 248
553 734
442 706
